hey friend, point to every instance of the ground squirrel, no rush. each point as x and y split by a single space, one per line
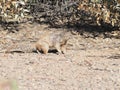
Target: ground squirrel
56 40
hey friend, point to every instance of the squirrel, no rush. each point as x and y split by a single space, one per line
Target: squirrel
55 40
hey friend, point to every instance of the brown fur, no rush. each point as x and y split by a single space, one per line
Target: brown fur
52 40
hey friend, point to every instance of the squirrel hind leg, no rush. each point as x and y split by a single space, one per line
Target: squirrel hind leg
45 49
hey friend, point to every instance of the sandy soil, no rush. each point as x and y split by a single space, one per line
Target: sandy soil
90 64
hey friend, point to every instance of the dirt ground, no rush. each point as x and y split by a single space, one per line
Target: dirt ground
89 64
